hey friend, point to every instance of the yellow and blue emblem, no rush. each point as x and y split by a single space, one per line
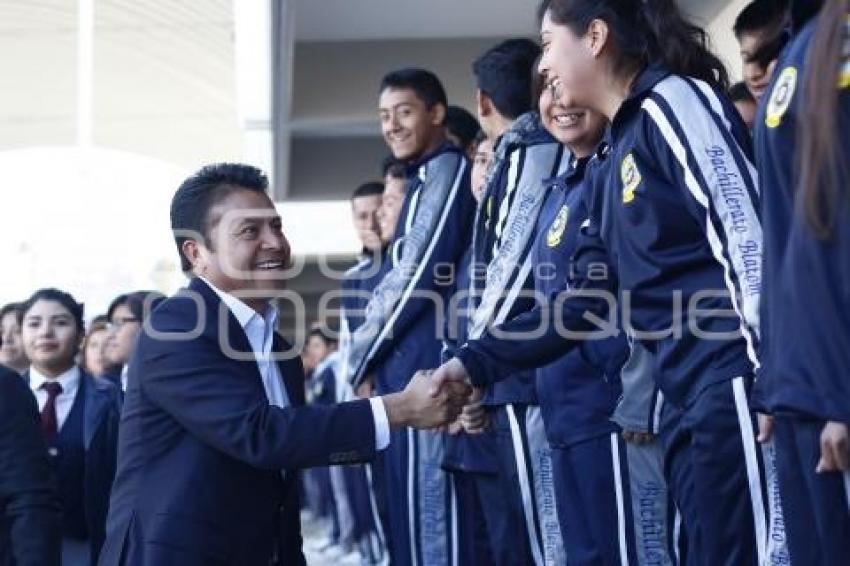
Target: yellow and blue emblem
781 97
556 231
631 178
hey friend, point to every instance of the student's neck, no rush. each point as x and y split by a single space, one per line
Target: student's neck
436 142
582 151
499 126
53 372
615 94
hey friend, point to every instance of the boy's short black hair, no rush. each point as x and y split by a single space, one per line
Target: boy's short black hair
369 189
505 74
195 197
739 92
394 168
759 15
63 298
461 124
424 83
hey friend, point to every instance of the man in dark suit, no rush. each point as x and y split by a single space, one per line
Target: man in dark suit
214 424
30 517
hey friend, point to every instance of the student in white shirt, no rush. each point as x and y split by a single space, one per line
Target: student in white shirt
79 420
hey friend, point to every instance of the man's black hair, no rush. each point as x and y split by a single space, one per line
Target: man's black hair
461 124
394 168
739 92
65 299
505 74
424 83
369 189
759 15
140 303
199 193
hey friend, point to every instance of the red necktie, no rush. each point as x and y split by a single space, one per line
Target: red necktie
49 422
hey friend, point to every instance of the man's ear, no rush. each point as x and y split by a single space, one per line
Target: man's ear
438 114
597 37
483 102
191 249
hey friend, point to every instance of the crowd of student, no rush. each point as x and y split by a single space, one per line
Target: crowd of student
77 376
640 271
620 146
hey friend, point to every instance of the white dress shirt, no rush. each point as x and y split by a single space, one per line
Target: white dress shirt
260 333
125 372
70 382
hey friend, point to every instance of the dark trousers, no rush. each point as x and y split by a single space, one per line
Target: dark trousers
714 470
418 498
528 484
592 491
816 506
469 541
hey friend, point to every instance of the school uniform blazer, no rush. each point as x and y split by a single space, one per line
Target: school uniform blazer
30 516
201 449
102 413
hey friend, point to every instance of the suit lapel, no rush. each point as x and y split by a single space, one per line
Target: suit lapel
226 329
95 407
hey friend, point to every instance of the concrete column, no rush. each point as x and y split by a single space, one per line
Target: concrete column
253 26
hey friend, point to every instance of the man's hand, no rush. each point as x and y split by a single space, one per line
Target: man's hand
450 374
765 428
417 407
834 448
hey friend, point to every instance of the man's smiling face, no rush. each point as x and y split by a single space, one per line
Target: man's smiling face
246 248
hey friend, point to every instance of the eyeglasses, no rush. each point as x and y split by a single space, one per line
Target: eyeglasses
117 324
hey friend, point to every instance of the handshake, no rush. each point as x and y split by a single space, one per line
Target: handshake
434 399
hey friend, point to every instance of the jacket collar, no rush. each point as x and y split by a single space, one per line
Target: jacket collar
100 397
238 339
414 167
641 88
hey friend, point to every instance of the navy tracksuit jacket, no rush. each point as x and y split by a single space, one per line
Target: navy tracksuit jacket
674 237
806 328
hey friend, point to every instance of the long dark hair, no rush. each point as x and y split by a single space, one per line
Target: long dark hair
820 162
643 32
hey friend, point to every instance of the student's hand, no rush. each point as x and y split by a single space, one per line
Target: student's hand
834 448
450 374
474 417
454 428
765 428
366 388
637 437
416 406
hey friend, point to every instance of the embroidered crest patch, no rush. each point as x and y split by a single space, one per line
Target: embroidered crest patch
631 178
780 97
556 231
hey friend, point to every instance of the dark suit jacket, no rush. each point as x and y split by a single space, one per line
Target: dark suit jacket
100 438
30 518
201 450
